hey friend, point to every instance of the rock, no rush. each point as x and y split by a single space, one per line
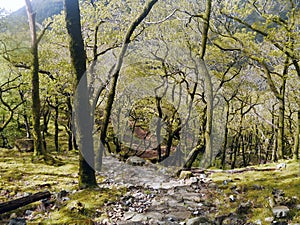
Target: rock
28 212
279 223
62 194
77 206
269 219
232 198
281 166
277 192
244 208
213 186
129 215
280 211
136 161
139 218
25 145
191 180
17 221
198 221
185 175
257 222
258 187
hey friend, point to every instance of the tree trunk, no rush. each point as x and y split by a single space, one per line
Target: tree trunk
208 157
82 106
56 128
158 127
297 137
36 105
116 72
223 161
193 155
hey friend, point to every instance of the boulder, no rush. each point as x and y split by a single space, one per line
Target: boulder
135 161
198 221
185 175
17 221
25 145
244 207
280 211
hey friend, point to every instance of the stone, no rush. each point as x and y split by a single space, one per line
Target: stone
244 208
269 219
191 180
258 222
232 198
198 221
280 211
279 223
281 166
128 215
25 145
213 186
139 218
136 161
185 175
17 221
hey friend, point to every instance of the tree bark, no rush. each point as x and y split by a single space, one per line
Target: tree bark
82 106
208 157
297 137
223 161
36 105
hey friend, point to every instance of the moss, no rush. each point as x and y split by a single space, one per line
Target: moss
257 187
84 206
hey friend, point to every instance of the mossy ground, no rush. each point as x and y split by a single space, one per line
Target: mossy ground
257 187
19 175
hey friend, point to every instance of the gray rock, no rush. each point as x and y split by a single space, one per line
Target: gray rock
269 219
17 221
213 186
24 145
280 211
128 215
185 175
232 198
198 221
191 180
139 218
136 161
279 223
281 166
244 208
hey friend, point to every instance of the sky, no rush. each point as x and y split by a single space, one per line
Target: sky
12 5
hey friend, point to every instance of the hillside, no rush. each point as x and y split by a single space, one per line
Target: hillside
147 194
43 9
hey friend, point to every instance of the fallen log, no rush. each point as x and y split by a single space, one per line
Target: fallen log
17 203
193 170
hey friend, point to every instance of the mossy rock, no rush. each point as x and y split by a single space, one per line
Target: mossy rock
25 145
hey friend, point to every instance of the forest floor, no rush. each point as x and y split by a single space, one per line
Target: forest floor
148 194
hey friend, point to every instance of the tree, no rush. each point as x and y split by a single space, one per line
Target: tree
36 105
115 76
87 177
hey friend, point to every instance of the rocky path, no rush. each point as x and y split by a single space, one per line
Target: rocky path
155 197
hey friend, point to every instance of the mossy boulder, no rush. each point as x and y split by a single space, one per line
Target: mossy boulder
25 145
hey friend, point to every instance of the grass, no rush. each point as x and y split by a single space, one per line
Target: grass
19 175
257 187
